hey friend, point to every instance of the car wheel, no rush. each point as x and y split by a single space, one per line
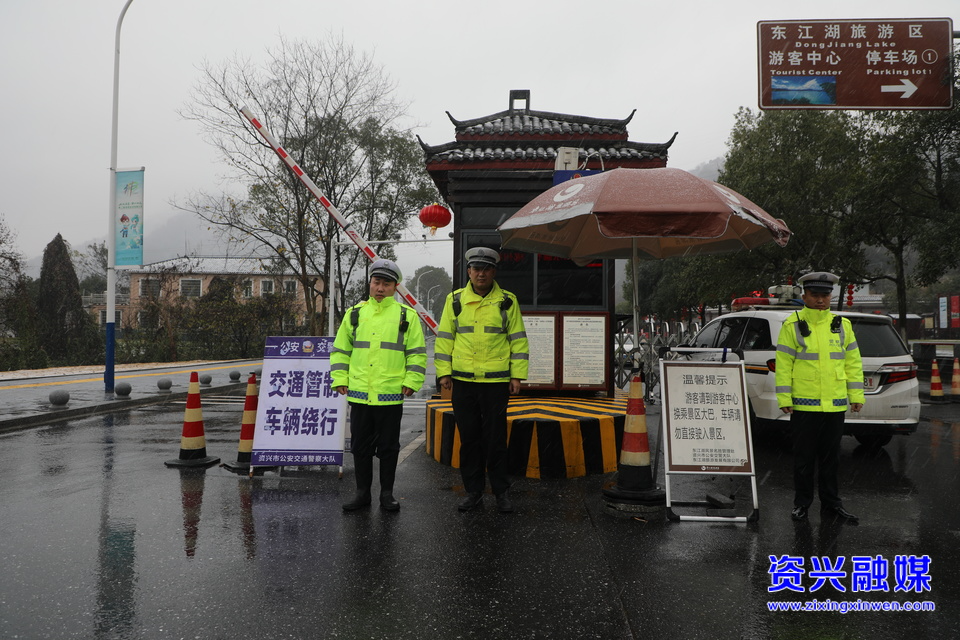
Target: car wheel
874 441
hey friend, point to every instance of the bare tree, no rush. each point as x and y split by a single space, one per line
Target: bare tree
19 342
91 265
11 260
332 107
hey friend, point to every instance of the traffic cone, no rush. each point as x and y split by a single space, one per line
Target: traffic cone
936 387
247 423
193 444
955 381
635 484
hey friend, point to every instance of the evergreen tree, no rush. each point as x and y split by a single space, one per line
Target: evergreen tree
67 332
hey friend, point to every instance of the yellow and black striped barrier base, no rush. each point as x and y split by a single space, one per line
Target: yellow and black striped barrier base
546 437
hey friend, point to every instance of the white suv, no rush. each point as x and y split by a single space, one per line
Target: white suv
892 403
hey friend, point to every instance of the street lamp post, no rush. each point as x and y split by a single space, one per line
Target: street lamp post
429 293
416 283
111 234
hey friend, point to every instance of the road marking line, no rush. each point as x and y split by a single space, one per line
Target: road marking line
413 446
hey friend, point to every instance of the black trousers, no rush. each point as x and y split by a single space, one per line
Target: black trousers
480 410
816 451
375 429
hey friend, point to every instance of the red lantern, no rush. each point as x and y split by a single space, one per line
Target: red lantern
849 295
434 216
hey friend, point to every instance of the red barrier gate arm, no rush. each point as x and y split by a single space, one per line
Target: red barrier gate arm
335 214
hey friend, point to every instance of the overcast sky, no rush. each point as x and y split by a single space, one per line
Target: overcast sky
684 66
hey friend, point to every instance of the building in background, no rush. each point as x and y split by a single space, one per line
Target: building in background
191 278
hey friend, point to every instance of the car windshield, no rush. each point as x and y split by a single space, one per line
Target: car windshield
877 339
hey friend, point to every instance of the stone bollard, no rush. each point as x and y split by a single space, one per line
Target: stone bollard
122 389
59 398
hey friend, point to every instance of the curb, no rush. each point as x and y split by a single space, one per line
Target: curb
53 415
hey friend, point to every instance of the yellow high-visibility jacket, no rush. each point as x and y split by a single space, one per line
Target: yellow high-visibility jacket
821 371
486 341
379 349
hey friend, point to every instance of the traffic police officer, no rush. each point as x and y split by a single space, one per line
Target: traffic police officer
819 375
378 358
482 353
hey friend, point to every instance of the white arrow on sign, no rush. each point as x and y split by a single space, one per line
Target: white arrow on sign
907 87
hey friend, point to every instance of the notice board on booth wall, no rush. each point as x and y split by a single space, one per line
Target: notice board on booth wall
301 419
541 331
706 417
568 350
585 344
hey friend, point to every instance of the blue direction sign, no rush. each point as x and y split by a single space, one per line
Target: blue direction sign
856 64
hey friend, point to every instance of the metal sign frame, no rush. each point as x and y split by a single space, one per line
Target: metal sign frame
705 426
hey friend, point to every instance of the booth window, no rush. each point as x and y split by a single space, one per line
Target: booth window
540 281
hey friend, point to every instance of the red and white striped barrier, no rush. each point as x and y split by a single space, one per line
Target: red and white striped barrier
335 214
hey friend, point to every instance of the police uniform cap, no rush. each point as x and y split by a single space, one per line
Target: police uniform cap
386 269
482 257
819 282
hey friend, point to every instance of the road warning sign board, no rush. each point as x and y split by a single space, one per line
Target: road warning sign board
856 64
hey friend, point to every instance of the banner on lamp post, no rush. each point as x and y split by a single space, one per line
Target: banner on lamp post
128 218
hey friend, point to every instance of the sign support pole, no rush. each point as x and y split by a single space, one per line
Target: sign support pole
108 370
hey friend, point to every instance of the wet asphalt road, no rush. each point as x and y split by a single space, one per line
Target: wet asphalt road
98 539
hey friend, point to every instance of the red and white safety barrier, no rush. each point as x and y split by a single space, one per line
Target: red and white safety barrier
335 214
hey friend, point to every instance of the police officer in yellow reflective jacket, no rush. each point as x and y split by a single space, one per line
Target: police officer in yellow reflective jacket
378 358
482 353
819 376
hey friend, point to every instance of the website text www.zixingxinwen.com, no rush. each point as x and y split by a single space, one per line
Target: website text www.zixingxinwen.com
849 606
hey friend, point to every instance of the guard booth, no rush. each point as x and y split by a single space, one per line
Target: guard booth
495 165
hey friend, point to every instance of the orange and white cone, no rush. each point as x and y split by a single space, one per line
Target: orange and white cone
635 484
955 381
247 425
193 444
936 386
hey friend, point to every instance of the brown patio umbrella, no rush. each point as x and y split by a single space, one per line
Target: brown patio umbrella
661 212
640 214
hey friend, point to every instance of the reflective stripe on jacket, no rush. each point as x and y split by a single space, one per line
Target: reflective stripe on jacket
821 371
486 342
379 356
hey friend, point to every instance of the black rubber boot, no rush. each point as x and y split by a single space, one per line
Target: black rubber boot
363 468
388 473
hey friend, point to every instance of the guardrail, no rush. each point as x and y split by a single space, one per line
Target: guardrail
645 357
